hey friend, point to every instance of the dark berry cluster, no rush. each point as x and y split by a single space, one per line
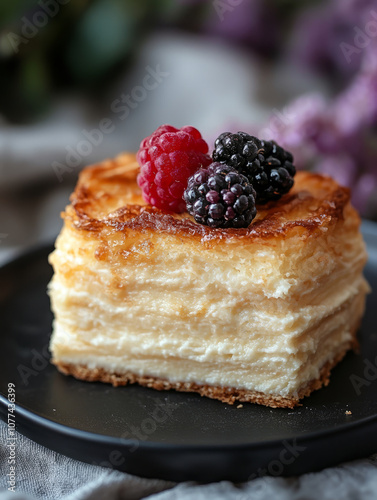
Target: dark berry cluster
268 166
220 196
246 171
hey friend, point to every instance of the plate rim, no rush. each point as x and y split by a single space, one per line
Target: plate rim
33 417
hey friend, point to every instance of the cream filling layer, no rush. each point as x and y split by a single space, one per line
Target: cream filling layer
269 354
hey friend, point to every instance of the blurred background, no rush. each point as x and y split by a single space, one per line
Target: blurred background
82 80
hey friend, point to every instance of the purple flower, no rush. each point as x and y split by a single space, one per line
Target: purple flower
364 194
339 137
356 107
342 168
319 33
255 24
298 126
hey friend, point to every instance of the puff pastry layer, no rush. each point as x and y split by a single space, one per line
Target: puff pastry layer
259 314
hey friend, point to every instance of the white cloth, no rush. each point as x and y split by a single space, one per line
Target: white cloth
43 474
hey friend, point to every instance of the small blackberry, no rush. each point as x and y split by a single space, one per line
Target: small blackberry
219 196
268 166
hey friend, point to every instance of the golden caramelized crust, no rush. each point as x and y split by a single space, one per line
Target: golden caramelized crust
107 197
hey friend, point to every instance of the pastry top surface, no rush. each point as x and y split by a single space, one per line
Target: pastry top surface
107 197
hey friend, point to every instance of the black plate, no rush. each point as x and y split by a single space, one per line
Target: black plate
172 435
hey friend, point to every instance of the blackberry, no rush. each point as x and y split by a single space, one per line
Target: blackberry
267 165
219 196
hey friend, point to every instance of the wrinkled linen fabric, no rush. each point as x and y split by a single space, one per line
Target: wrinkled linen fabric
43 474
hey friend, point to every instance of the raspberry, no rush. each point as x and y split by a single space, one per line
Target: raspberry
268 166
167 158
219 196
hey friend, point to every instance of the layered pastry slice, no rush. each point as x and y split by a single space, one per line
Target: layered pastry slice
258 314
